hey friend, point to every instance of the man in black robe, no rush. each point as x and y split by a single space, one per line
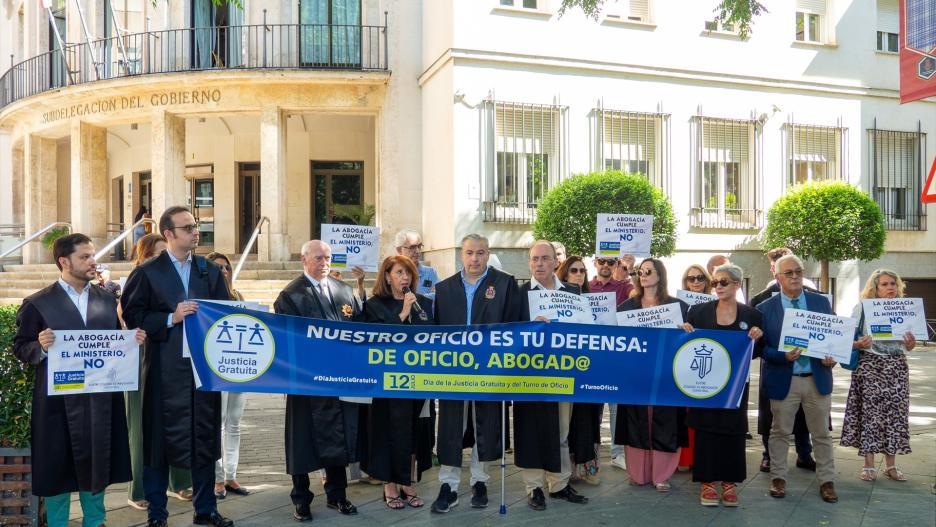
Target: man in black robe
79 441
321 432
181 425
477 295
541 429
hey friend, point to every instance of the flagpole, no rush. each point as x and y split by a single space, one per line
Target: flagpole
503 504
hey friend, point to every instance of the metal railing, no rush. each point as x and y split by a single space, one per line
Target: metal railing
715 218
120 237
273 46
35 235
247 249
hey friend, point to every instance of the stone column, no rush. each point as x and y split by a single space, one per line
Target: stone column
168 164
40 192
17 180
89 184
273 243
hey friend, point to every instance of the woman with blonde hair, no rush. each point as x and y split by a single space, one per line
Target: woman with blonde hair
697 279
878 406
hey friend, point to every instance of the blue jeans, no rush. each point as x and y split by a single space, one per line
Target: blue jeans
92 509
156 481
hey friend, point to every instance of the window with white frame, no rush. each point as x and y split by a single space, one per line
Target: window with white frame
810 17
633 142
897 176
628 11
717 25
526 158
726 186
815 153
888 24
525 4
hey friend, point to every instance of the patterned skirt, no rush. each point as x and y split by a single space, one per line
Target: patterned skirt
878 406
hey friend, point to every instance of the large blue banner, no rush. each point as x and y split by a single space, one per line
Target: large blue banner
240 350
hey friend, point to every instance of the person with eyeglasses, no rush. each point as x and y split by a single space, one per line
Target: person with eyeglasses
604 282
624 269
652 435
697 279
793 379
409 243
181 425
720 433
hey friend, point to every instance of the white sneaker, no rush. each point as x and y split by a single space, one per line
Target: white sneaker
618 461
141 505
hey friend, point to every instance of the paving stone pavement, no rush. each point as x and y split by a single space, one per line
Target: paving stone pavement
614 501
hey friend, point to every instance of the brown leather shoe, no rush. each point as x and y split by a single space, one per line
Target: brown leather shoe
778 488
827 491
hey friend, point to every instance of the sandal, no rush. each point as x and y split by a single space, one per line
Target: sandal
412 500
898 475
868 474
394 502
663 487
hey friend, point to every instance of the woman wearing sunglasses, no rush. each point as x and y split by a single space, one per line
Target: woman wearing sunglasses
697 279
652 435
720 433
573 271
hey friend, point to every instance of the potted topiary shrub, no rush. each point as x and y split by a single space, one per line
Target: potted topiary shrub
17 504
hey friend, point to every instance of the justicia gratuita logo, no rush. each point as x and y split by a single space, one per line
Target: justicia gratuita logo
239 348
701 368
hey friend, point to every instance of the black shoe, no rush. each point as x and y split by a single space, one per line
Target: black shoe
446 500
809 463
765 464
214 519
479 496
537 500
343 506
240 491
156 523
569 494
302 513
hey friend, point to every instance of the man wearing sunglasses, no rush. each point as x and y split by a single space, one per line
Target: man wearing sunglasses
181 425
604 281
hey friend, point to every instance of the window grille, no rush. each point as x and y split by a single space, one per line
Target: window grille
896 160
815 153
634 142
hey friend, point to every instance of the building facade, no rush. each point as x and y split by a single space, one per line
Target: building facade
456 116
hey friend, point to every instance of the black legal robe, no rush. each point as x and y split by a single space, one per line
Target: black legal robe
497 299
79 441
668 430
536 424
181 425
394 430
320 431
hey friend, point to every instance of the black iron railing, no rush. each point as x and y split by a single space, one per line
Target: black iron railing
273 46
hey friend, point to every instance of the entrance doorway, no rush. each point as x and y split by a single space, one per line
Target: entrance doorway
248 199
146 192
337 193
201 199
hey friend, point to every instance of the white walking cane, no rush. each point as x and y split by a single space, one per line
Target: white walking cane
503 505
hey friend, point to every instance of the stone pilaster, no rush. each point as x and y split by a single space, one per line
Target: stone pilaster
167 133
89 184
41 189
273 243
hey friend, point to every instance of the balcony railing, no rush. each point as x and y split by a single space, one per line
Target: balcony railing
265 46
713 218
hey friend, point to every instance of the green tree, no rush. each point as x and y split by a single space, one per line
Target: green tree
569 212
826 221
16 385
737 13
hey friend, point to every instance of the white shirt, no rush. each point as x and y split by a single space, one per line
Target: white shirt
79 298
321 287
556 284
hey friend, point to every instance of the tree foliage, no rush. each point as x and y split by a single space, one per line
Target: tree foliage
827 221
16 384
738 13
569 212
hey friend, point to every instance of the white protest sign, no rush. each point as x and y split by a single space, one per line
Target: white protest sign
891 318
353 245
93 362
620 234
603 307
817 334
559 306
665 316
692 298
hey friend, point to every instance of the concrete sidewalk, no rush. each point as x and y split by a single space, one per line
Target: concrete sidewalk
614 501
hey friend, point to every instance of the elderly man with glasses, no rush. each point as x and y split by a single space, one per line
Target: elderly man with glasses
604 281
409 243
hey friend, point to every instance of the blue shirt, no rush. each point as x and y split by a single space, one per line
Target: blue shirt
787 303
185 270
470 290
428 278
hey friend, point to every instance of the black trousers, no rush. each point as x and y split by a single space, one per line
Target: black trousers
336 481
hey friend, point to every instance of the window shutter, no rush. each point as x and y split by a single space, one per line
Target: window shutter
815 144
630 138
811 6
525 129
640 10
888 17
724 141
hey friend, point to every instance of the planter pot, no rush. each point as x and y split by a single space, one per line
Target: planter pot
17 504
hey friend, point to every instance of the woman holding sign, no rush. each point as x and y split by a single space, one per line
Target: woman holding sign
720 433
878 405
398 448
652 435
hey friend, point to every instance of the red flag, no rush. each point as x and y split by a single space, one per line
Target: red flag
917 49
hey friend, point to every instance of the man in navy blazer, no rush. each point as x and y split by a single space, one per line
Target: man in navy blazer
792 379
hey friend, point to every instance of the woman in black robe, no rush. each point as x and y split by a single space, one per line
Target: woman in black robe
651 435
720 433
398 448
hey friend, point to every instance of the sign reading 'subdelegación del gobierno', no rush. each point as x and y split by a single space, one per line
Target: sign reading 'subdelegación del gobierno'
130 102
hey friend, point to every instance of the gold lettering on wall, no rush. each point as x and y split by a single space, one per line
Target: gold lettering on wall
112 104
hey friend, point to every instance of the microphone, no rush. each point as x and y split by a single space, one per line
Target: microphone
415 305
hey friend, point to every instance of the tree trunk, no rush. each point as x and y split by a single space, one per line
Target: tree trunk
824 276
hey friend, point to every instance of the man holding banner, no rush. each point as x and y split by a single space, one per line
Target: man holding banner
181 425
793 379
321 432
479 294
79 441
541 429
